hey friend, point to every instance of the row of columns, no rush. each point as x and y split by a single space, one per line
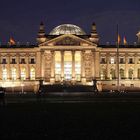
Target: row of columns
62 65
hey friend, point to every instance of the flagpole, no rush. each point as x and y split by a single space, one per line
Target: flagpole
118 73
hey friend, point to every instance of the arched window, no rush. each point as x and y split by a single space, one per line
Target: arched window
103 74
4 74
112 74
13 74
122 73
130 73
32 73
23 74
139 73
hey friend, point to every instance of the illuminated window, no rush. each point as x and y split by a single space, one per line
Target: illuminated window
13 74
103 74
32 73
4 74
112 60
57 66
67 65
78 66
23 74
67 70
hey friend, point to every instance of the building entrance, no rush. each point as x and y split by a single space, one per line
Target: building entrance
67 65
67 70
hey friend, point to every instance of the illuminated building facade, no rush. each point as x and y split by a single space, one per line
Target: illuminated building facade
68 54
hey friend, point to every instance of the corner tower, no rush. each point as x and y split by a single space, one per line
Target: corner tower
94 35
138 36
41 36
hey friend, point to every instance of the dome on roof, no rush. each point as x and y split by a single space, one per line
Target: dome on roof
67 29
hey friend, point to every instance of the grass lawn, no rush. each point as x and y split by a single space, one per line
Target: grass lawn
68 121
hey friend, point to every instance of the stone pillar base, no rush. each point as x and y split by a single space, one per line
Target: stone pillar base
52 80
73 80
83 80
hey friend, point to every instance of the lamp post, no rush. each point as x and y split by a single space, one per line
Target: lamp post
13 86
22 87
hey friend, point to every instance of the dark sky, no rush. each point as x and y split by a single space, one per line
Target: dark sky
21 19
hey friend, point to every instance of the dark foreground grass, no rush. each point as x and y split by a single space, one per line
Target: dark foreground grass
68 121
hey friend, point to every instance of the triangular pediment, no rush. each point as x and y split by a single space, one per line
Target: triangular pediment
67 40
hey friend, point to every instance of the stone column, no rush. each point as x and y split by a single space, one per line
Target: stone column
27 66
107 68
52 80
62 65
97 64
18 66
8 67
126 66
38 65
83 78
135 67
93 64
73 65
42 65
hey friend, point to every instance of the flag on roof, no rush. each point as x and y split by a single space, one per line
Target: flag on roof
12 41
119 39
124 41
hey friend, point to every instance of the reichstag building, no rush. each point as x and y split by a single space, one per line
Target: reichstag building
68 55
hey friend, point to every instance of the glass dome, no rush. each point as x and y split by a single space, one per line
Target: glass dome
67 29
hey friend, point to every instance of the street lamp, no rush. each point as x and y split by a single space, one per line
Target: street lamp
22 87
13 85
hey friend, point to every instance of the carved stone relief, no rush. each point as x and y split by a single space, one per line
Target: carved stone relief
68 41
88 57
48 59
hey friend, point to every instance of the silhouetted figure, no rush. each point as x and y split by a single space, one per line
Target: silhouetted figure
95 89
40 90
2 96
39 94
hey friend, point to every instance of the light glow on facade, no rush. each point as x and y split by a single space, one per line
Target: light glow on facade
4 74
13 74
78 66
32 73
68 54
23 73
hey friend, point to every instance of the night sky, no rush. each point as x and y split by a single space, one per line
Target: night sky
21 19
